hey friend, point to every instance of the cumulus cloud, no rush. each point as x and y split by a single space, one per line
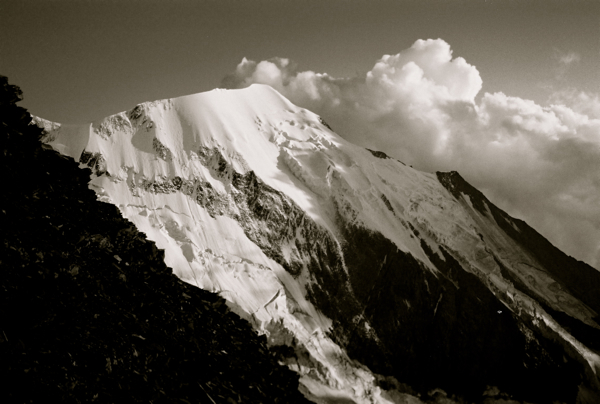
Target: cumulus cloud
579 101
541 164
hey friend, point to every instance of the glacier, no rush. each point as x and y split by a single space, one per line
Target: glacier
387 282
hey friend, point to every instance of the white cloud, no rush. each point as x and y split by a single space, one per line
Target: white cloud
579 101
568 58
539 163
565 61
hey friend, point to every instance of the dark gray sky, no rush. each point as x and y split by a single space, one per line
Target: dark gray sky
78 60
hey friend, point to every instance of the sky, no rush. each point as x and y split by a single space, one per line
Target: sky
505 92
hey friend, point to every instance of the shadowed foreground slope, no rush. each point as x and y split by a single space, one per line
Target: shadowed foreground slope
90 312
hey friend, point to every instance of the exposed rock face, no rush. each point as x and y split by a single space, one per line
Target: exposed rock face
544 345
356 261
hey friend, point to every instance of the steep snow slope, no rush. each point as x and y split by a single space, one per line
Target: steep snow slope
336 250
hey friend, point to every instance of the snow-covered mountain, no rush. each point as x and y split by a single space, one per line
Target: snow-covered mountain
388 282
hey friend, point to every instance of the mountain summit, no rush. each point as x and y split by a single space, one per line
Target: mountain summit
388 283
89 310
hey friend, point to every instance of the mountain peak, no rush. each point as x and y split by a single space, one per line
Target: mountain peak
342 253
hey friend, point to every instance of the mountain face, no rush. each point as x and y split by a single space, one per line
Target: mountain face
89 312
388 283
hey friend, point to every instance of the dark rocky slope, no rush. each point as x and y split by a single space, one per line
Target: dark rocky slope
449 331
88 310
